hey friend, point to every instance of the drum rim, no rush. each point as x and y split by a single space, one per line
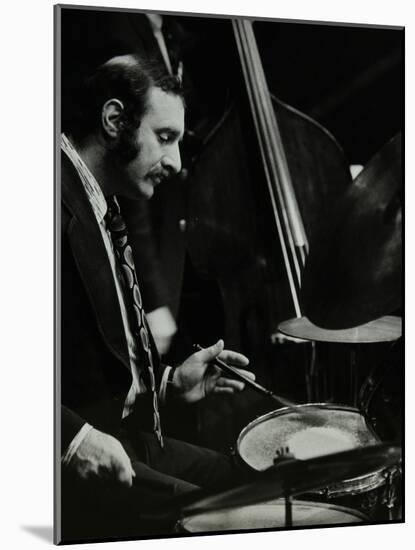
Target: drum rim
284 410
281 503
346 487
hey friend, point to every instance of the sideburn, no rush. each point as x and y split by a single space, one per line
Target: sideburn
126 148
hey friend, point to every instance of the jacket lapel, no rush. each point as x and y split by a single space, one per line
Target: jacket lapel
92 261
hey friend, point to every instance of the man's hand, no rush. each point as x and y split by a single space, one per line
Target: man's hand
101 457
197 376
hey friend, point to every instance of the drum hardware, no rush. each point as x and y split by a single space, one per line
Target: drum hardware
312 435
288 509
313 393
297 477
379 384
269 515
392 475
360 249
357 290
284 454
272 492
384 329
353 376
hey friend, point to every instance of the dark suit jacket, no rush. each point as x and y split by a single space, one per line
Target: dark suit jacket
90 38
95 370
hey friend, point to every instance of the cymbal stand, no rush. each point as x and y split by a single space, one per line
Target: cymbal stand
288 509
283 454
354 390
311 376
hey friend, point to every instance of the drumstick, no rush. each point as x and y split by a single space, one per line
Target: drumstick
254 385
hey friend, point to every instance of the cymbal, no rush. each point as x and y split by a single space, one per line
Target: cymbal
354 270
293 477
385 329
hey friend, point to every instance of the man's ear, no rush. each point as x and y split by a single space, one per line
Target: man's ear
112 117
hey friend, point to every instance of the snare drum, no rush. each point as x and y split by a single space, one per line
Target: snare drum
270 515
327 429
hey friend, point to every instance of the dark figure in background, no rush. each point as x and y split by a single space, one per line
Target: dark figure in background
117 466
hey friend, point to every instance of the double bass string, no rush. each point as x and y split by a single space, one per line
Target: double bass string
287 216
286 212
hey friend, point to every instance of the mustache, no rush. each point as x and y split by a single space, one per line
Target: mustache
160 173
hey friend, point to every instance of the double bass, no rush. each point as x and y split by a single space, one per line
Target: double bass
267 175
260 188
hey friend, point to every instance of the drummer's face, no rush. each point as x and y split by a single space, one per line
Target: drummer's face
157 142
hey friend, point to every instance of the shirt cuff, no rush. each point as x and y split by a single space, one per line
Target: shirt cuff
74 444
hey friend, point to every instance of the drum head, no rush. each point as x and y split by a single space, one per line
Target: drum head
270 515
328 429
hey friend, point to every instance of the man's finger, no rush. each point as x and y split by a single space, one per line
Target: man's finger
213 372
234 358
210 353
246 373
125 477
219 389
229 383
124 469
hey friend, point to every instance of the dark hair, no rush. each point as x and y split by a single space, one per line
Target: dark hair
127 78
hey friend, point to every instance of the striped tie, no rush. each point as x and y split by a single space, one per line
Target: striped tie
118 230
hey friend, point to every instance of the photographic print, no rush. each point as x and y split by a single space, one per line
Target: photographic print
229 342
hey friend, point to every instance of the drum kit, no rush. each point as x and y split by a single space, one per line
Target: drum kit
328 455
267 502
